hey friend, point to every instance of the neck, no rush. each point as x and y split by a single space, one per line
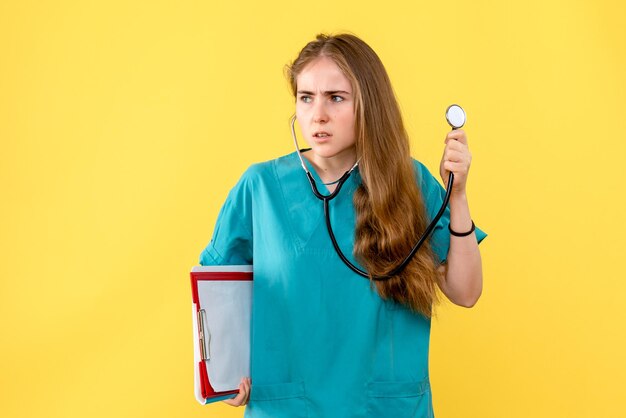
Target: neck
332 168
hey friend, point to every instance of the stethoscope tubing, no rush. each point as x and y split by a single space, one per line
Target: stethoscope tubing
327 198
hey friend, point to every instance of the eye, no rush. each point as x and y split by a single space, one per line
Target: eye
334 97
305 99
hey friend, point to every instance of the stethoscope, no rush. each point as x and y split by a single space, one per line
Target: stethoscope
455 115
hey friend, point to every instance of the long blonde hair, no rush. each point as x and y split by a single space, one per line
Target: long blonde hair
390 211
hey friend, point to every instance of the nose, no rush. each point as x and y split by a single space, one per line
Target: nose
320 114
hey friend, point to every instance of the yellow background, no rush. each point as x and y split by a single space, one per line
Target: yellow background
123 124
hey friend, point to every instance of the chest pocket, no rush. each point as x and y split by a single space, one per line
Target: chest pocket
278 400
399 399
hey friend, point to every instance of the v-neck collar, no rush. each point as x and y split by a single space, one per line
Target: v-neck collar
305 211
352 180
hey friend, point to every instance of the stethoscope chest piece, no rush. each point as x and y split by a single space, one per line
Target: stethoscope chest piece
455 115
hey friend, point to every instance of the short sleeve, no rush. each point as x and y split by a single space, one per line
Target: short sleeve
434 194
231 243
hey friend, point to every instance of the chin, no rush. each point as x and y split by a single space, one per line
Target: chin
325 150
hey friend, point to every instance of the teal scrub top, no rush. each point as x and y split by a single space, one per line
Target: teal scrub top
323 342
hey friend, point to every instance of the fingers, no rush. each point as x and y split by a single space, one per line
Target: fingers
453 146
456 151
456 145
243 396
458 134
457 168
247 386
454 156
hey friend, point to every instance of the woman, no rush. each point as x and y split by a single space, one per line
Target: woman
325 341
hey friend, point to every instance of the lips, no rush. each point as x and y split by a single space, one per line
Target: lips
321 134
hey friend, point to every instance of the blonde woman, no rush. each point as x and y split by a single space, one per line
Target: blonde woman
327 342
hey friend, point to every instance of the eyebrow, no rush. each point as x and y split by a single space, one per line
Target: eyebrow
326 93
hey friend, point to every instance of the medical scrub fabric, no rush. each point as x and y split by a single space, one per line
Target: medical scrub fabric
323 344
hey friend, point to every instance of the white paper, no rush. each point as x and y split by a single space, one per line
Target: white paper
227 305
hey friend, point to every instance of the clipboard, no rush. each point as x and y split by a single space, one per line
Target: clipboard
221 312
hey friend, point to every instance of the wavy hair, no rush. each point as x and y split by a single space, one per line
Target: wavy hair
390 210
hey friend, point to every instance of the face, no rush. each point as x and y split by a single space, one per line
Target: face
325 105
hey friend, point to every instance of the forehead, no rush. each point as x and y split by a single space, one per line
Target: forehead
322 74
